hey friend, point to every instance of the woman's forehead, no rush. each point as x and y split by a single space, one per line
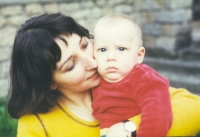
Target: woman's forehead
68 40
69 44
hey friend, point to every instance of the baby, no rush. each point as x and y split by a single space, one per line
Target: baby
128 87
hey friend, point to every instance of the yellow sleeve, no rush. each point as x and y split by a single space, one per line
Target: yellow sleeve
186 113
136 120
29 126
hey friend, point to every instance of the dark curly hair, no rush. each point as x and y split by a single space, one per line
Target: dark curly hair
34 57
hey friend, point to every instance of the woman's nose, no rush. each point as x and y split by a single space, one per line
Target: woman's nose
89 62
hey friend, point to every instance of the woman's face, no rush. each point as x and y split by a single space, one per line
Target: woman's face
77 69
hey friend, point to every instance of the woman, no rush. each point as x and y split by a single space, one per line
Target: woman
52 72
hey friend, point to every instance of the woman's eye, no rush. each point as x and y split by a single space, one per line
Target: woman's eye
121 49
102 49
85 45
72 67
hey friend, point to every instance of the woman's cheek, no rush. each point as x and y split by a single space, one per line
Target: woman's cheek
90 50
77 77
78 80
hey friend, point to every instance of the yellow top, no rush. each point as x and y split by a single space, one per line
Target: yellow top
59 122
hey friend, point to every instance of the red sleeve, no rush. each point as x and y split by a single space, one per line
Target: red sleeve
153 98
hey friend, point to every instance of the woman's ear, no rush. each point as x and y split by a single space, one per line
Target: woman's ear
141 53
53 86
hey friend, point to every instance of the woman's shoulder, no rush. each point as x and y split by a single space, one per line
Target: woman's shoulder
29 125
37 117
32 124
28 118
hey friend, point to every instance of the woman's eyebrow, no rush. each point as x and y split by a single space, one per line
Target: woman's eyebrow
80 40
61 38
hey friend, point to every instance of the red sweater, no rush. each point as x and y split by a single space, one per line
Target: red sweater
144 92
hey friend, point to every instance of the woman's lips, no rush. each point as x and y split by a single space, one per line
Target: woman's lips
94 76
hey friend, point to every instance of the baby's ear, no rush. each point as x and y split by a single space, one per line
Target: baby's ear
141 53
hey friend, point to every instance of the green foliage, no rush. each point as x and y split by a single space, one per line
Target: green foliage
8 125
198 135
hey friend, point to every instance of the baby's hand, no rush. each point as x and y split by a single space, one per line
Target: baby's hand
117 130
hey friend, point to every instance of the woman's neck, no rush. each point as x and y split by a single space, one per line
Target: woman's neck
79 105
76 99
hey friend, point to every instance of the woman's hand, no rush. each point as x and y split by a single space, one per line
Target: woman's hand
117 130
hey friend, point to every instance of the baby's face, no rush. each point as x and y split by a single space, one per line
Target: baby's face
116 50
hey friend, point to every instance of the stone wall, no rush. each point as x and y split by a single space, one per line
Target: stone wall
166 24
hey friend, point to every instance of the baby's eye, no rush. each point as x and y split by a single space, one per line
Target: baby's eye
102 49
121 49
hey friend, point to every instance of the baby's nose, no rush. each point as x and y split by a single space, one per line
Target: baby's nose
111 56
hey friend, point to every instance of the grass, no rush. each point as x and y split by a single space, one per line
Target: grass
8 126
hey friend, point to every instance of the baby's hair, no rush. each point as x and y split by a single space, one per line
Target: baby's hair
111 19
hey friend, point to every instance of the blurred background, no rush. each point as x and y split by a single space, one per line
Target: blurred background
171 35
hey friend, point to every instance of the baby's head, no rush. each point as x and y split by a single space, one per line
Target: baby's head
117 47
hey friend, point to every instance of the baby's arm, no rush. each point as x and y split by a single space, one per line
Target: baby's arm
156 112
151 93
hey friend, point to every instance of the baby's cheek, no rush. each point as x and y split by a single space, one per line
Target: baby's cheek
101 72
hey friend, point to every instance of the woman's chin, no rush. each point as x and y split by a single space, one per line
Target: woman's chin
95 82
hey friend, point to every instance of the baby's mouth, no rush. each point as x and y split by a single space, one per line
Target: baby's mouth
111 69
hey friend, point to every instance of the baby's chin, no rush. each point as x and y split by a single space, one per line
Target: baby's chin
112 79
